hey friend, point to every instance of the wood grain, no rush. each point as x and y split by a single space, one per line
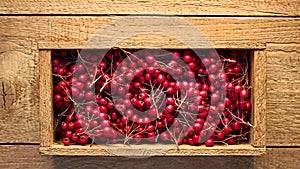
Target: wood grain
74 32
151 150
283 94
19 83
27 156
7 94
169 7
46 106
259 78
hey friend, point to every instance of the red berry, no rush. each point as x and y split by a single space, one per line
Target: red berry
170 90
226 121
231 141
105 123
57 98
164 136
71 126
209 142
160 78
170 101
89 95
94 123
175 54
238 89
192 66
197 127
196 138
64 125
220 135
150 59
55 62
83 139
66 141
187 58
74 137
159 124
107 131
244 94
114 116
83 78
79 130
236 125
68 134
212 68
169 109
151 136
138 137
70 118
227 129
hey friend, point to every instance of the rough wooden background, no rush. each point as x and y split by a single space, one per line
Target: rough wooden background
27 26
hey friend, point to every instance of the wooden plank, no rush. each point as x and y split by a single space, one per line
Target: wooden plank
27 156
259 78
74 32
283 60
46 108
169 7
151 150
19 85
278 158
283 94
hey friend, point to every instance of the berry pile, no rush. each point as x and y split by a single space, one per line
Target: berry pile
150 96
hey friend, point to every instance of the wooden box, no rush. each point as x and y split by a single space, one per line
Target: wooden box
256 146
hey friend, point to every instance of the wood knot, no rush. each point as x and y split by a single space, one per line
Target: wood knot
7 94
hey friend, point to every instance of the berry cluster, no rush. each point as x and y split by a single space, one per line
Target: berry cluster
149 96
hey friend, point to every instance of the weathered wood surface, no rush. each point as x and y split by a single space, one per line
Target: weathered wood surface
19 76
283 94
152 150
258 96
46 107
280 34
168 7
74 32
27 156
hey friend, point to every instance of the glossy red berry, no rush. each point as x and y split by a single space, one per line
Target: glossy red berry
220 135
169 109
238 89
71 126
187 58
75 137
236 125
160 78
231 141
244 94
68 134
227 129
83 139
57 98
209 142
150 128
170 101
66 141
64 125
197 127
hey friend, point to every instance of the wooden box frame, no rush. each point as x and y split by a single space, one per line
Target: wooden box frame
257 134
